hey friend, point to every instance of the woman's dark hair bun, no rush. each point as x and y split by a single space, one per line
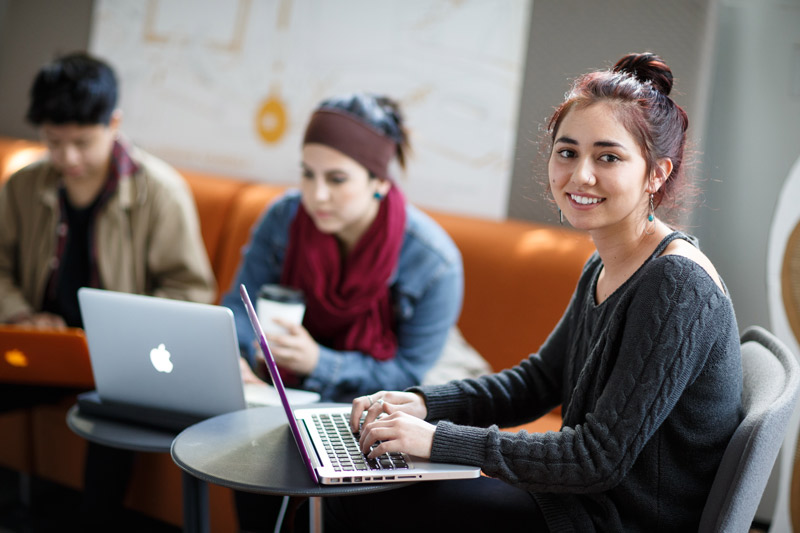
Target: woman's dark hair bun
646 68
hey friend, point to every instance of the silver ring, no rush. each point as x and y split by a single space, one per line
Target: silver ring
380 402
370 400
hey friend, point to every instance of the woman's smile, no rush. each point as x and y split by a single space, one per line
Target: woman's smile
584 201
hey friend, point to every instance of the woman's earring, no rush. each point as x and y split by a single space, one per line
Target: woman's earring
377 196
560 217
651 217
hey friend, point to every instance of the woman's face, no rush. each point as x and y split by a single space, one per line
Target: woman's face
338 193
598 175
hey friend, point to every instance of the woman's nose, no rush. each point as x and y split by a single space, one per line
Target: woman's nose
321 191
584 173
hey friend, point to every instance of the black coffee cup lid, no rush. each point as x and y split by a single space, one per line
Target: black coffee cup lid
280 293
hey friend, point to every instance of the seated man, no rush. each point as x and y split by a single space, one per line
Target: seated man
97 213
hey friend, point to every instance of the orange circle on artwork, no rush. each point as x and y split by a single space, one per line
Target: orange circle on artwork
271 120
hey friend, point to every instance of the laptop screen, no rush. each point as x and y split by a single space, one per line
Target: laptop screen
277 382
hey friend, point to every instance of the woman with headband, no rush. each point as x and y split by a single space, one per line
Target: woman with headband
382 282
645 361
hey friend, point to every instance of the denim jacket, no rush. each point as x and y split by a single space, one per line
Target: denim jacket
427 291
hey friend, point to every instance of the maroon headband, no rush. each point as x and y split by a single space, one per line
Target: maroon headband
352 137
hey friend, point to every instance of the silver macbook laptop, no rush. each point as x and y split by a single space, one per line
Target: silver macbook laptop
166 362
330 449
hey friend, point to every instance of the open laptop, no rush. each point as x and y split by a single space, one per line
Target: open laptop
323 436
165 363
48 357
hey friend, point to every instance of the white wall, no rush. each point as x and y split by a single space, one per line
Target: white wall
228 86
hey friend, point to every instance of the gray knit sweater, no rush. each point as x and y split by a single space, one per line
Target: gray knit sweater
650 385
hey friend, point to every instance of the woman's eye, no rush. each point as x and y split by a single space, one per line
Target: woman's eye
609 158
566 153
336 179
306 171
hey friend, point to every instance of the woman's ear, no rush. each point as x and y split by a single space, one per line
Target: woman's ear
383 186
659 175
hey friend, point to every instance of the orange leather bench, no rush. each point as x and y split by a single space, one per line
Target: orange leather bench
519 277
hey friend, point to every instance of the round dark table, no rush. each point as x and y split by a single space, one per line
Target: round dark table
253 450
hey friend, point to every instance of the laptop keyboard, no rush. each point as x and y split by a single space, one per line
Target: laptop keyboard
342 448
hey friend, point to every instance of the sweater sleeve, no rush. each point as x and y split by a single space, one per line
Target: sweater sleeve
653 348
513 396
509 398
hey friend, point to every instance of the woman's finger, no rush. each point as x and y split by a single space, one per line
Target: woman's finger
360 405
375 409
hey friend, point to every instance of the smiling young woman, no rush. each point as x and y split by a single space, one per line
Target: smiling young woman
617 151
598 174
645 360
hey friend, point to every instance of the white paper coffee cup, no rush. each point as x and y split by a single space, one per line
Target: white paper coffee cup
277 301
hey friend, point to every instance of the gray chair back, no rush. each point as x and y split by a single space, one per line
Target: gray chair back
771 381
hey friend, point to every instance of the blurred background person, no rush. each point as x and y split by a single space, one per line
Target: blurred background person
382 282
97 212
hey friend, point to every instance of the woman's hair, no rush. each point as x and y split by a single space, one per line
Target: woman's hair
380 112
638 87
76 88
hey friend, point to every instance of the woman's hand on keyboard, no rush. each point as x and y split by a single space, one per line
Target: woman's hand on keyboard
397 432
386 402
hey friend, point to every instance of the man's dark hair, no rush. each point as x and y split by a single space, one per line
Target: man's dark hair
75 88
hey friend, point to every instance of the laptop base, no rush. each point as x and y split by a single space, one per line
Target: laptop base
90 404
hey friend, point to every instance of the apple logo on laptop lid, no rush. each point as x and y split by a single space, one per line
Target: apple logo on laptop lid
160 358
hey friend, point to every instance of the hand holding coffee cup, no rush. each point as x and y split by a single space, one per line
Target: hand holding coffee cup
280 310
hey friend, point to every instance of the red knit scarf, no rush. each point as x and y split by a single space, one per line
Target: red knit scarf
348 301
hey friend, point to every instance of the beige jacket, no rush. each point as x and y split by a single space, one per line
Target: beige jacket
148 237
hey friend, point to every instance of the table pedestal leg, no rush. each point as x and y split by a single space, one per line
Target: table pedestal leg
25 489
195 504
315 514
